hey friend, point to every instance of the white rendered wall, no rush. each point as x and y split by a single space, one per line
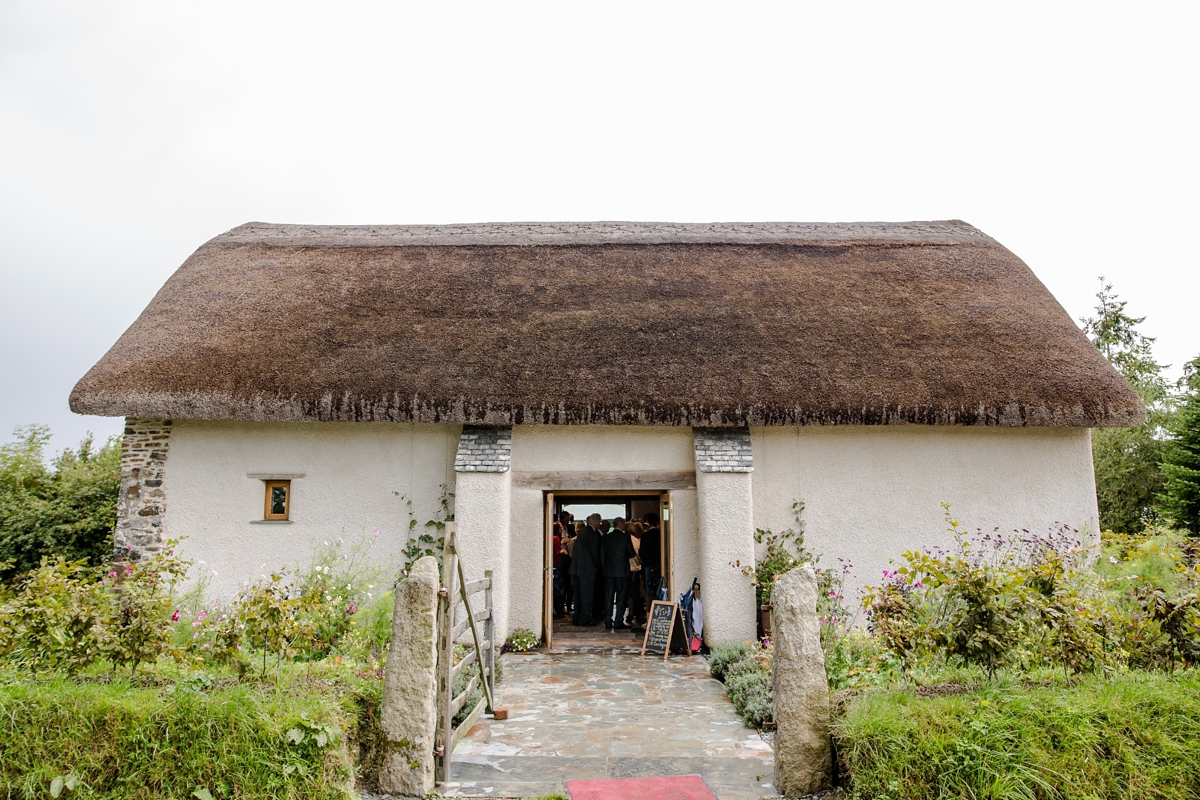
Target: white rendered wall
355 476
870 493
727 537
483 509
595 448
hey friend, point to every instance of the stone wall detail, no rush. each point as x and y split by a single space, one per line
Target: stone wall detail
723 449
803 753
484 448
142 503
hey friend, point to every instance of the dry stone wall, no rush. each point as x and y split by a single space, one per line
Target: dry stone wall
142 504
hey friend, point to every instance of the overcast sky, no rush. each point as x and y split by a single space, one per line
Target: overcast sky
132 132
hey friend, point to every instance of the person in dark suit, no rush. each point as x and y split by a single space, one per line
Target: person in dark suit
651 553
585 563
616 550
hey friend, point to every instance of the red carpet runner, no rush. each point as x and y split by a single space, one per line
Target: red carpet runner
682 787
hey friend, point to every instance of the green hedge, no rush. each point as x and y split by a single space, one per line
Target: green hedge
125 741
1134 735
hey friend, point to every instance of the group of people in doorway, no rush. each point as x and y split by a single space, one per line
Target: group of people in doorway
606 572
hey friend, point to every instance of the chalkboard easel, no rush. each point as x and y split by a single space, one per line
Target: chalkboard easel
663 629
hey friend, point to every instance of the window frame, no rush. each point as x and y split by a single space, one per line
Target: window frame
287 500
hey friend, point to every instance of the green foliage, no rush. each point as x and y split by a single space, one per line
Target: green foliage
723 657
428 539
1101 738
119 741
1128 479
520 641
67 508
746 672
57 621
1024 600
1179 499
1116 335
1130 485
784 552
138 625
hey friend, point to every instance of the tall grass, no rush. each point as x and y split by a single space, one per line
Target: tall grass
126 741
1134 735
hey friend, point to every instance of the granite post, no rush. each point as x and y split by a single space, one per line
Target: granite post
409 719
803 757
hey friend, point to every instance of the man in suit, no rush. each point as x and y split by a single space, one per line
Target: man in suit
651 554
616 550
585 563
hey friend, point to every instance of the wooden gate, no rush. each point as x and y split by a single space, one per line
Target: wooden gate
462 605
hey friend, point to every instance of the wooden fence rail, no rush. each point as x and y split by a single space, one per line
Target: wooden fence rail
460 607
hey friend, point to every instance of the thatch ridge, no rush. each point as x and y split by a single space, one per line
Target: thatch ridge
609 323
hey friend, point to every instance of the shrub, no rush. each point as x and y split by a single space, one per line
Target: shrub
726 655
746 671
65 509
57 621
139 628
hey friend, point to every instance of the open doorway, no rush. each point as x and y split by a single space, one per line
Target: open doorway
614 607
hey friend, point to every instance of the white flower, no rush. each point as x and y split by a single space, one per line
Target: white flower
1113 560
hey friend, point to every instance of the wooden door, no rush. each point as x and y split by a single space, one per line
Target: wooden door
548 575
668 544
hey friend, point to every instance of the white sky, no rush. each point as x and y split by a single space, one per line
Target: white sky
132 132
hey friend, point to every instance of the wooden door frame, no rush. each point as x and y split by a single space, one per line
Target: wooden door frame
548 570
548 518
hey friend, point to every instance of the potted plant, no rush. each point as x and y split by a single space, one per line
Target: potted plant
784 552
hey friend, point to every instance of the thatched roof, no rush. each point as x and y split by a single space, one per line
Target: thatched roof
621 323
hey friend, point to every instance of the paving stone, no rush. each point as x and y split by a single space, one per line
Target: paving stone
595 708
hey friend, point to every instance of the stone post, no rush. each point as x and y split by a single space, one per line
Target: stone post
803 758
409 718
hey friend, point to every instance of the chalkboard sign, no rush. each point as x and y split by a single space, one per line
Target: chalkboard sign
664 628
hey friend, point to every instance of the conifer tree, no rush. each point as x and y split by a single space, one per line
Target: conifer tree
1127 460
1180 497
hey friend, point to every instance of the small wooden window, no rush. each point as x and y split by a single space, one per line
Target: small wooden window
278 501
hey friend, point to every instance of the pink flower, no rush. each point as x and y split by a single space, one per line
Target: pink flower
206 645
175 616
918 585
376 531
112 574
202 615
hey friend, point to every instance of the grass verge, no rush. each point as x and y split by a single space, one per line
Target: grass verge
1132 735
123 740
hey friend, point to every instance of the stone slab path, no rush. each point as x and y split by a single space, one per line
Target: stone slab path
594 708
